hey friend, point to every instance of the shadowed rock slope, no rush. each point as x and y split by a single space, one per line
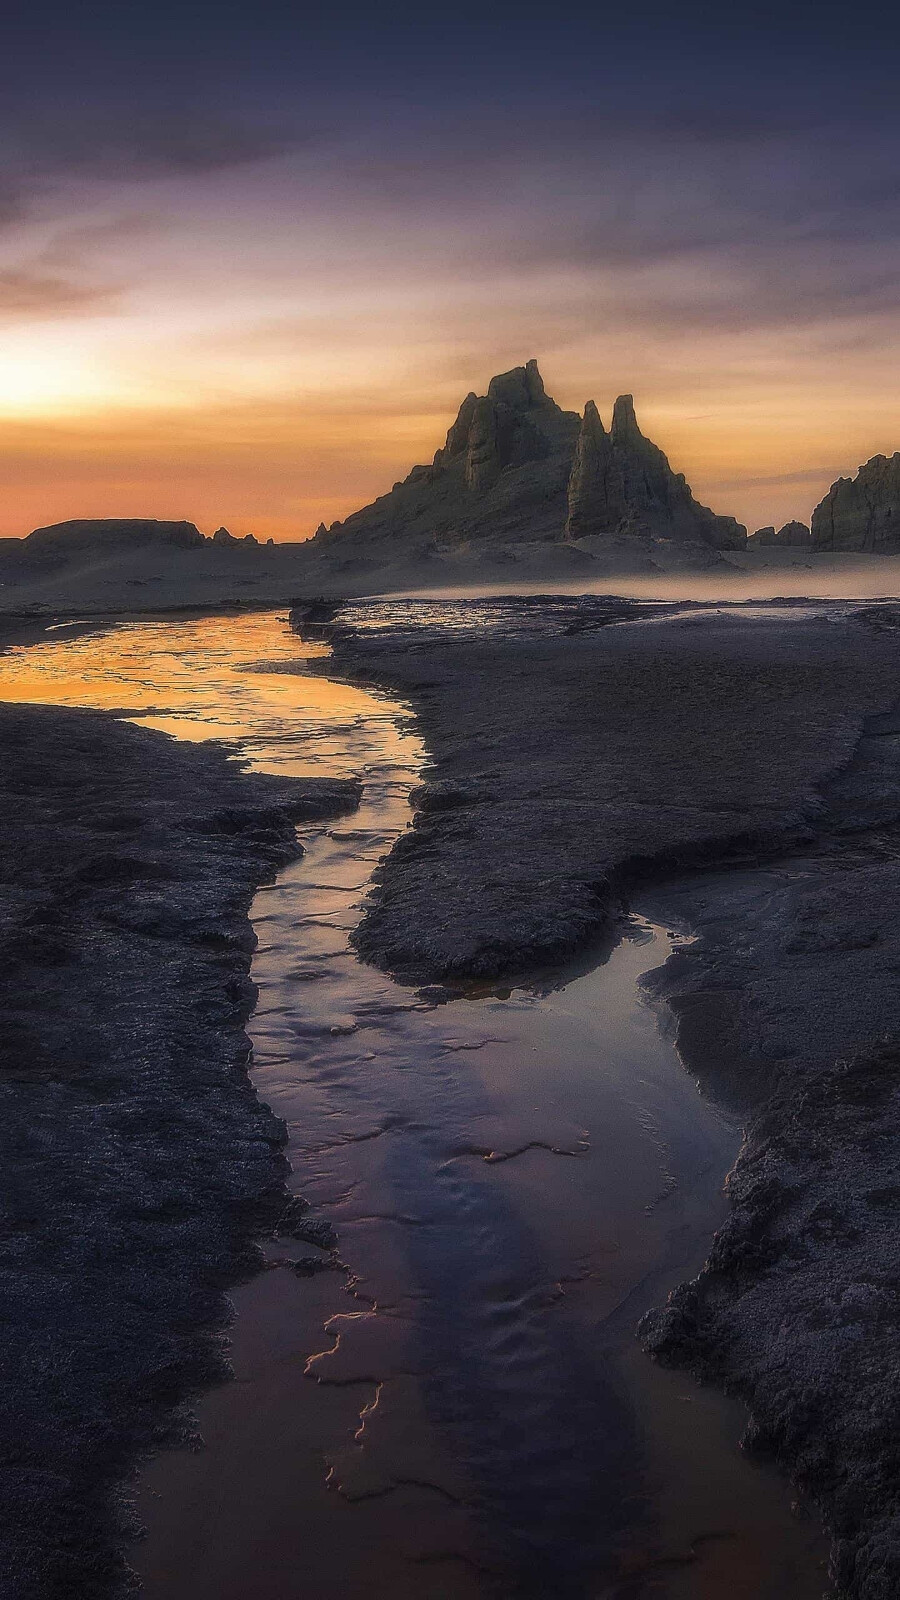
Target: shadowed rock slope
137 1164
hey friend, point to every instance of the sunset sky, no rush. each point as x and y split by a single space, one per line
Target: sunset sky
253 256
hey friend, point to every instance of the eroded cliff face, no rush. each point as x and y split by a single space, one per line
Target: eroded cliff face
622 487
596 488
861 513
517 470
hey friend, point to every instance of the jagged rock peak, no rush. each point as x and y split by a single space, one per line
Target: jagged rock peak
458 433
592 422
222 536
622 487
521 388
624 422
595 496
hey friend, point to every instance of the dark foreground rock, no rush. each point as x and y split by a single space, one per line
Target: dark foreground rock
138 1165
571 766
790 1000
585 757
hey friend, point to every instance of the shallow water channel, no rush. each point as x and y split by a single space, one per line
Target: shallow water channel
457 1407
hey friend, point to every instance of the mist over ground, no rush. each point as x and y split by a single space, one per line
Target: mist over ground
831 579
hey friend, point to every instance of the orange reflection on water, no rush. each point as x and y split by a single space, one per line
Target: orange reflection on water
241 678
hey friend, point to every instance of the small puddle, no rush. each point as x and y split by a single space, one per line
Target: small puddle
455 1405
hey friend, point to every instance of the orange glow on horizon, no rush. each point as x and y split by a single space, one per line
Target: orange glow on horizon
278 468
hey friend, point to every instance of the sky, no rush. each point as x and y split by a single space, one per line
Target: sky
252 256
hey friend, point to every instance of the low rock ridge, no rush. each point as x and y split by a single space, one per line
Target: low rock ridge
86 535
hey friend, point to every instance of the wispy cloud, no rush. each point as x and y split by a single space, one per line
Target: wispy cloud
32 294
140 144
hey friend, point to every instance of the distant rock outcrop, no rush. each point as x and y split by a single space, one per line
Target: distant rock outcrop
222 536
518 471
793 535
110 533
861 513
122 536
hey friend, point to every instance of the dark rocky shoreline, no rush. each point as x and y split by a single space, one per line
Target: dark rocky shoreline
139 1165
573 769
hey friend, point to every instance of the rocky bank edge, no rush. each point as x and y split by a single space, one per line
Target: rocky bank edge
138 1164
570 768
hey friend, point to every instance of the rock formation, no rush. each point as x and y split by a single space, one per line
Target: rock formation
861 513
793 535
110 534
500 476
596 490
622 487
518 471
495 431
222 536
121 536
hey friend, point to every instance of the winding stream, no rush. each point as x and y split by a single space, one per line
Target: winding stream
455 1406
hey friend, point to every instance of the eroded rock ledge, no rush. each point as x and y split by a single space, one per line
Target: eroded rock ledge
572 761
138 1164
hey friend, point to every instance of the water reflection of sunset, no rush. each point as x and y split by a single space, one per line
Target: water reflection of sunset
206 678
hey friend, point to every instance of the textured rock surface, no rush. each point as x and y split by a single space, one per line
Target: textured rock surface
622 486
593 754
138 1165
790 999
596 493
861 513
